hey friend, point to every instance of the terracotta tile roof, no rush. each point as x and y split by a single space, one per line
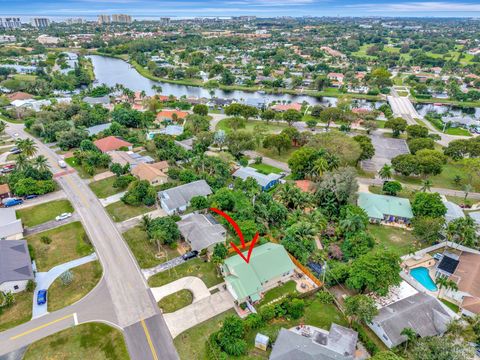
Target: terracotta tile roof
4 189
281 107
467 277
19 96
147 172
111 143
161 165
168 114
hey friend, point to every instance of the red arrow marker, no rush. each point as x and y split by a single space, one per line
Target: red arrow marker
240 236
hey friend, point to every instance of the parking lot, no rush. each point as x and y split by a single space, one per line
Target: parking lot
385 150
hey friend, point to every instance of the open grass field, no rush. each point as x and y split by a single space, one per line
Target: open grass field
93 341
144 250
39 214
19 313
104 188
197 267
119 211
266 169
85 277
176 301
69 242
396 239
251 124
273 153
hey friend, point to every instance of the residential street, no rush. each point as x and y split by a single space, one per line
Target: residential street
130 298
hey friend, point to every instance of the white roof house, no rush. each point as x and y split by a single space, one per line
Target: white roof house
178 198
11 228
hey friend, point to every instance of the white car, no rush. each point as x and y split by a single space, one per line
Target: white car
63 216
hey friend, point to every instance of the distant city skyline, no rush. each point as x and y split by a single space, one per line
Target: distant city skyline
152 9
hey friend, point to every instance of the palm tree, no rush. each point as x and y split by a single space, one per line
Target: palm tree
2 126
426 185
157 88
22 162
28 146
352 223
410 334
320 166
466 188
41 163
443 282
385 172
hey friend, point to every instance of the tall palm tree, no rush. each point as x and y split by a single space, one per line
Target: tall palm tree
22 162
157 88
28 146
410 334
320 166
443 282
426 185
385 172
41 163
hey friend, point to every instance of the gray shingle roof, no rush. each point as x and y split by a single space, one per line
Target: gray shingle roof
200 232
94 130
339 344
179 196
9 224
15 262
262 179
420 312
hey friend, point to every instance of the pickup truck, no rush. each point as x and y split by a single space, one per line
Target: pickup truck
12 202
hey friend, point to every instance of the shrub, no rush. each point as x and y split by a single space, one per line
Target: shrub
31 285
295 308
325 297
267 312
253 321
371 347
66 278
46 239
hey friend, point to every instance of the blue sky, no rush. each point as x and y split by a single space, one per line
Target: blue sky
261 8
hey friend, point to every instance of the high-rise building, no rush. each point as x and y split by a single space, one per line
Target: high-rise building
72 21
40 22
104 19
10 23
121 18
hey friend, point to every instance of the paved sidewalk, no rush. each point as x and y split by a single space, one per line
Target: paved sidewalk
45 279
192 283
198 312
112 199
162 267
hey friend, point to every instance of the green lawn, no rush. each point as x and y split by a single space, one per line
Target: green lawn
144 250
93 341
279 292
19 313
266 169
104 188
69 242
85 277
176 301
82 173
273 153
191 343
250 126
396 239
445 179
39 214
196 267
452 306
119 211
458 131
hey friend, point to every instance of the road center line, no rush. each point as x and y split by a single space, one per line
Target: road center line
147 334
40 327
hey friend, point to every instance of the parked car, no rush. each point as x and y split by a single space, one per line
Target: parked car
62 164
190 255
63 216
15 150
31 196
8 168
42 297
12 202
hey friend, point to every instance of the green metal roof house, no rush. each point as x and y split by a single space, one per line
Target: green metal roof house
269 265
385 208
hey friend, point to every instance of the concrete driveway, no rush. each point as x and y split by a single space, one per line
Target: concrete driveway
198 312
56 195
45 279
162 267
192 283
52 224
130 223
112 199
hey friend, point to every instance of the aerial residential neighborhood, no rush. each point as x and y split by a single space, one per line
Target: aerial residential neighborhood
239 180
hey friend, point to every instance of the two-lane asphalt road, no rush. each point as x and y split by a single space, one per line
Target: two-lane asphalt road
135 309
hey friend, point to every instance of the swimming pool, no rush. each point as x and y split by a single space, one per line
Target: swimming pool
421 275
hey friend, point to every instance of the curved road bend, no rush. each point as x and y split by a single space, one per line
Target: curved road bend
129 296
